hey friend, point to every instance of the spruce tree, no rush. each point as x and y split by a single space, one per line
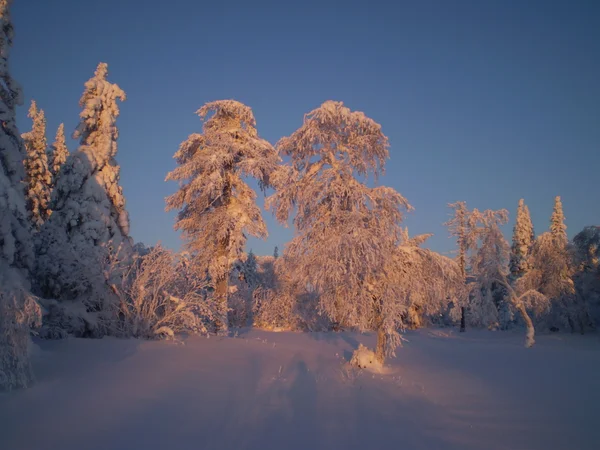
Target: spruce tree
38 178
58 153
89 224
522 242
216 206
557 223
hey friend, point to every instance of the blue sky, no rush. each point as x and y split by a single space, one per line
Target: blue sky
483 101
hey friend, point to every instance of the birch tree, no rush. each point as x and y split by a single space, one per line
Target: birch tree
463 226
217 208
490 273
347 232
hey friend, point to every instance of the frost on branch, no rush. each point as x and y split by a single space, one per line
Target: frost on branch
38 179
216 206
89 224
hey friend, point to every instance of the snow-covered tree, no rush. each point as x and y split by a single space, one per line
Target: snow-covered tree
557 223
587 276
428 280
18 310
552 275
58 153
489 277
38 178
463 226
522 242
89 223
488 264
553 268
216 206
346 231
587 245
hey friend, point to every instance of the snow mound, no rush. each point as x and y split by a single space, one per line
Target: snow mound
363 358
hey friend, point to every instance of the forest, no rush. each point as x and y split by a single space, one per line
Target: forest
69 267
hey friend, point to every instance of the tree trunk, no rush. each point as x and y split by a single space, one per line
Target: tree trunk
221 294
381 345
530 334
462 319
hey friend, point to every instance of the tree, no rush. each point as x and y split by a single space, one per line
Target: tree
276 252
18 310
552 257
490 275
463 226
552 275
216 207
38 178
557 224
522 242
489 263
346 232
427 279
58 153
89 223
587 276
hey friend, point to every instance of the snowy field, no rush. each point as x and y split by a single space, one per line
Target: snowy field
261 390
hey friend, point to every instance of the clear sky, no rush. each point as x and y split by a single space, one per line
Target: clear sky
484 101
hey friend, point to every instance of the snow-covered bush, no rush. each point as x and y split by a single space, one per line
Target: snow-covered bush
159 298
364 358
19 313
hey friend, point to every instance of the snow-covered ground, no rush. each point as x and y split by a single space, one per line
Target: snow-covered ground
260 390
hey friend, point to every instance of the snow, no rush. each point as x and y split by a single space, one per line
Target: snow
261 390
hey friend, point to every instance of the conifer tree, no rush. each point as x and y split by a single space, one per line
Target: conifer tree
38 178
216 206
557 223
522 242
17 309
58 153
89 224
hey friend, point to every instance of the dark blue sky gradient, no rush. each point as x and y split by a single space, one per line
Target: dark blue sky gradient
483 101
